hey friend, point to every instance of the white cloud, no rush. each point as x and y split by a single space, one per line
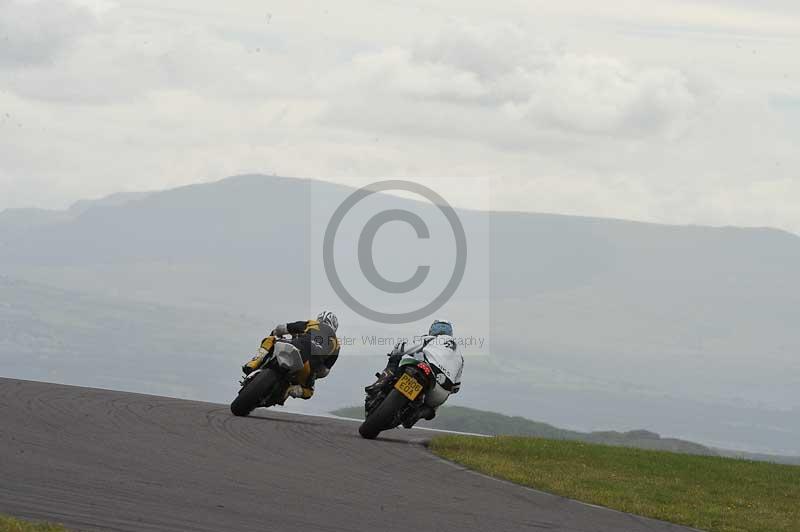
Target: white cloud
124 58
505 70
592 94
671 112
39 32
394 71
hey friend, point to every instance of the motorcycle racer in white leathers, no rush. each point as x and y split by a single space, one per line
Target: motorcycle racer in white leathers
440 348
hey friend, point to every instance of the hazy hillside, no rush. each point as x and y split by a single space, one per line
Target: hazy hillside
593 323
474 421
64 336
61 336
12 220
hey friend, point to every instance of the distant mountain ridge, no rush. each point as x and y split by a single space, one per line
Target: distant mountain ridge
21 218
112 200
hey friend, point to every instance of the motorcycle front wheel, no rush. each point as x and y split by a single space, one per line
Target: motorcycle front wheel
383 416
254 392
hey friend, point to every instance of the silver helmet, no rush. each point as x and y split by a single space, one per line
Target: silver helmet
330 319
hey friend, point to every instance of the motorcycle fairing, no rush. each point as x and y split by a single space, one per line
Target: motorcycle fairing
288 357
443 354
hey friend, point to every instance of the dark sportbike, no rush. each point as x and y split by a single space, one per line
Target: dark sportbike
267 385
425 378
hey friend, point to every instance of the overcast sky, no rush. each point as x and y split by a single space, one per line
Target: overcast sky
676 111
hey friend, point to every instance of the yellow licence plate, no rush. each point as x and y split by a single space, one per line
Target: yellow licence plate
408 386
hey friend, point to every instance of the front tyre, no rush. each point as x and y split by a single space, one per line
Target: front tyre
383 416
254 393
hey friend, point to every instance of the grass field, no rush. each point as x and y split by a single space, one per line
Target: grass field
709 493
9 524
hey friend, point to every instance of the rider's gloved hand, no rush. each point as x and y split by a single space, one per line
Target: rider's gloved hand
398 350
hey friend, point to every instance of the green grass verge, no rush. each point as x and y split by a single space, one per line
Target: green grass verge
10 524
709 493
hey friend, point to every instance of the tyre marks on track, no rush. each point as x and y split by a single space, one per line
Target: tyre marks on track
112 461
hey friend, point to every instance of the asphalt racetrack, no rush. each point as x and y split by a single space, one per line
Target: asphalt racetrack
111 461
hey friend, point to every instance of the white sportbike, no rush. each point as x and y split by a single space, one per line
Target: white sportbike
427 375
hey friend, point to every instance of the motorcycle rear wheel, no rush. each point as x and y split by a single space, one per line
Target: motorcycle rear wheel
383 416
254 392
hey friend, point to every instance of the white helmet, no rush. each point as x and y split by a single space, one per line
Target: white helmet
330 319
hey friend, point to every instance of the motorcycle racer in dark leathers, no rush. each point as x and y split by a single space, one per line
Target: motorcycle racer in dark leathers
317 344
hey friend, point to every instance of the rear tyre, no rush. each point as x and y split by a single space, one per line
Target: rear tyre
254 393
383 416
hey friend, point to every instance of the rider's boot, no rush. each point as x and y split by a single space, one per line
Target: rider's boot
254 363
298 391
383 379
424 412
386 376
